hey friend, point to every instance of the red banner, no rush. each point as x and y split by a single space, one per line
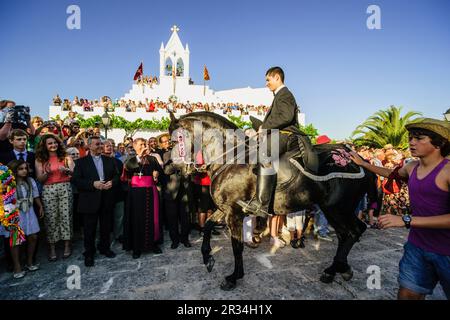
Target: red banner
139 72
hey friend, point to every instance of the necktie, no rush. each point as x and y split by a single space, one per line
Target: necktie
21 156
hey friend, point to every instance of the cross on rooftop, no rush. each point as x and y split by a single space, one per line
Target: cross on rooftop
175 29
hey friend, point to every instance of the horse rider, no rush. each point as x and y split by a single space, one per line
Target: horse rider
282 115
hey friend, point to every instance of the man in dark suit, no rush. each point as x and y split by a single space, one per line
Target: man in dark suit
18 139
95 176
281 120
176 203
120 194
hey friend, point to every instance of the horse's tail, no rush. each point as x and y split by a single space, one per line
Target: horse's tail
372 192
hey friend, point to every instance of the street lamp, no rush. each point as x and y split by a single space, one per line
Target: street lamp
447 115
106 122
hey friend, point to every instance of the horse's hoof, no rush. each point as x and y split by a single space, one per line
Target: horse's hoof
240 276
347 275
227 285
326 278
210 264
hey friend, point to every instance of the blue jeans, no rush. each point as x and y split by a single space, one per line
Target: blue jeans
320 223
362 205
420 270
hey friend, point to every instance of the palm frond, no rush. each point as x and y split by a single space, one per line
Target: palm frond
385 127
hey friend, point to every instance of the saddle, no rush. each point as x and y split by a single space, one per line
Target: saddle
334 162
332 158
329 160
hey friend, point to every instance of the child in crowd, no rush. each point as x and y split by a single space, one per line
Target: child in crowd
27 194
275 224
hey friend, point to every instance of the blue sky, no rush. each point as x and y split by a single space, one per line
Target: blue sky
339 71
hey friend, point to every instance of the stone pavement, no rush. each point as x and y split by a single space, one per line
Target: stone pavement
179 274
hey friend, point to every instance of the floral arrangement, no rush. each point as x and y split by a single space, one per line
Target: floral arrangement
9 213
341 157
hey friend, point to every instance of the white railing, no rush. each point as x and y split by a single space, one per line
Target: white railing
139 113
143 114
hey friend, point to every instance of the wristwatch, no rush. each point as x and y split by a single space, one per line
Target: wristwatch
407 220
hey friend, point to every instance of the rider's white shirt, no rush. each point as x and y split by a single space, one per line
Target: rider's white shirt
279 88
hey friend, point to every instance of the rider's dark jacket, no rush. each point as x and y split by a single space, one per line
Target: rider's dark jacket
282 114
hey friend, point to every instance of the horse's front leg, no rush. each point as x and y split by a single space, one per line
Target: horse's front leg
346 242
238 247
208 259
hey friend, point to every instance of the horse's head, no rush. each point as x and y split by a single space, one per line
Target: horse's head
194 133
186 140
178 135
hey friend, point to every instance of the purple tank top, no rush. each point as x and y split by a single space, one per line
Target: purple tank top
428 200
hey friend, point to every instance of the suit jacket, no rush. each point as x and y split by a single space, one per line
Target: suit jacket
9 156
84 175
122 188
172 179
282 114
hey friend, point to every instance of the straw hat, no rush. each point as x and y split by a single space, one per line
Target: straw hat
439 127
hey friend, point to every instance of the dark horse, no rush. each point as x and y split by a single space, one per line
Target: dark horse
337 197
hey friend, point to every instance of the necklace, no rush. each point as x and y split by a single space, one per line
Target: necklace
141 167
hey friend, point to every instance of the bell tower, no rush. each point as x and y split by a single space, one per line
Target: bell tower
174 59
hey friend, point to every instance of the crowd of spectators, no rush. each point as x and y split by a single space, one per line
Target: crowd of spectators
156 105
52 150
147 80
393 199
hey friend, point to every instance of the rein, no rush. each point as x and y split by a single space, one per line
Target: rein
182 155
222 168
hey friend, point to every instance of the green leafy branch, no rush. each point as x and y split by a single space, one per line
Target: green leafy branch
237 120
130 127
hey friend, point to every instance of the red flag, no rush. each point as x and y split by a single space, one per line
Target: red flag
205 74
139 72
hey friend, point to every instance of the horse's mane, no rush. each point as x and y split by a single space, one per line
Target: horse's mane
206 115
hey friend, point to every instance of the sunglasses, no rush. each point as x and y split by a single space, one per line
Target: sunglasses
74 154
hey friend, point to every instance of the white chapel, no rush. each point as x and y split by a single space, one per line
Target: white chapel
174 82
175 55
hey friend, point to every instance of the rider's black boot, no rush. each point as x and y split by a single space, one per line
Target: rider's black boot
261 204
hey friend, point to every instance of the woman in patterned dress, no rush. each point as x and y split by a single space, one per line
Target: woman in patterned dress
54 169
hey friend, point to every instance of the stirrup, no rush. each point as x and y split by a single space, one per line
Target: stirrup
257 212
262 214
244 204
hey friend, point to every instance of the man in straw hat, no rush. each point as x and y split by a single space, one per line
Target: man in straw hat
426 258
